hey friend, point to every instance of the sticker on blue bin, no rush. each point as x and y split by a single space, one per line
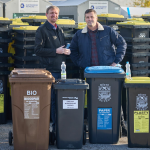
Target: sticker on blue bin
104 118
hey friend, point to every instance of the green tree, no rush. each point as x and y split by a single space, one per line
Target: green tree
141 3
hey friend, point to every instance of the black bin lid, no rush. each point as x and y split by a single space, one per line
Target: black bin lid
71 84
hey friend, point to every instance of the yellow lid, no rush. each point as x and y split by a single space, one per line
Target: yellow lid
146 14
17 20
111 15
82 23
35 17
17 23
65 21
6 19
138 80
136 19
26 28
133 23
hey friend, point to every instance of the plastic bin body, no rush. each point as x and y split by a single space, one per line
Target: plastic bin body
24 52
70 119
104 101
31 93
3 97
138 109
134 32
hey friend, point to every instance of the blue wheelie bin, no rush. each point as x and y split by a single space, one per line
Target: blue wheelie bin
104 103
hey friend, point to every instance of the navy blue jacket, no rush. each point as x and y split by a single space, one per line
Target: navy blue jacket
111 47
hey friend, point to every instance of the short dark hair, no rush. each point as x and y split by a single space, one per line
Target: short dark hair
51 7
90 10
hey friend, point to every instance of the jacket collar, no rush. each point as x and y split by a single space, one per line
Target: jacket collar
48 25
85 30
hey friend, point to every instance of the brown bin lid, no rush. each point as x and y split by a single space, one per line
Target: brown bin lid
31 75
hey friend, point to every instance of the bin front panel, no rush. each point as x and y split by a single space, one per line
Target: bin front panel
31 132
104 94
138 117
135 32
70 118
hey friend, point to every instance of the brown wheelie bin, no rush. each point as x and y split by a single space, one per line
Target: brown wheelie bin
31 94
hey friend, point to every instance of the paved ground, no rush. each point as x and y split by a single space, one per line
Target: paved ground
122 144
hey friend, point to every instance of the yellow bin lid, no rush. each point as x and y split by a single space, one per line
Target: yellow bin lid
6 19
82 23
65 21
146 14
136 19
19 23
138 80
26 28
35 17
133 23
111 15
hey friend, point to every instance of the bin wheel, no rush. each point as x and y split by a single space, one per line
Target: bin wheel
52 138
84 137
10 137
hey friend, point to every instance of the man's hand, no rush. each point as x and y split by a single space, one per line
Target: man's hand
60 50
113 64
67 51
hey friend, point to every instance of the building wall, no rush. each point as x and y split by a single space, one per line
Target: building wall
13 7
113 8
68 11
124 3
81 10
1 9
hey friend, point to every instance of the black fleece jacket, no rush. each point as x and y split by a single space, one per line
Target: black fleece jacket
47 40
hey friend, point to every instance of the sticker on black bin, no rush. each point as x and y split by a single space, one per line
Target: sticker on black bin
104 118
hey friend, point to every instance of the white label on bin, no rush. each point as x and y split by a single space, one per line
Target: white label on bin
141 121
141 102
31 107
70 104
104 92
142 35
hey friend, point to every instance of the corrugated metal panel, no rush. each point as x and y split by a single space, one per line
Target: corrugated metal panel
68 2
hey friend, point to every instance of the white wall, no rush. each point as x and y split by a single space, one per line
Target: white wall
13 7
125 3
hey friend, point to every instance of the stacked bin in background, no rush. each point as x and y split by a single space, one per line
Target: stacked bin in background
24 47
17 22
111 20
146 17
136 34
5 38
34 20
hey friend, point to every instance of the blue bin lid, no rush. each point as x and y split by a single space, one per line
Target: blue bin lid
103 69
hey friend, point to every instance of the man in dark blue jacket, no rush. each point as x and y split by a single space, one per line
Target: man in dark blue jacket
97 45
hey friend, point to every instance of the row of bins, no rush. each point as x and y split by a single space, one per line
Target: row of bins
136 34
24 38
5 38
